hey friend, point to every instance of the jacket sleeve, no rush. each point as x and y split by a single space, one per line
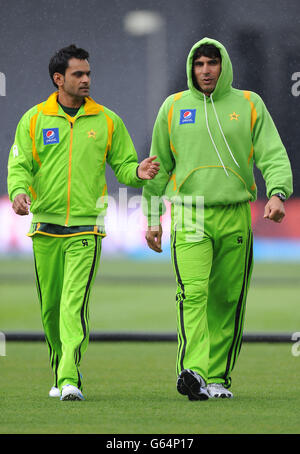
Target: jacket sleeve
122 156
152 203
20 161
270 155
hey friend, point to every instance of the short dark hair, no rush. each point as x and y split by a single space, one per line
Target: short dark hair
207 50
60 60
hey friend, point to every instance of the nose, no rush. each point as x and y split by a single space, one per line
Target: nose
206 68
85 78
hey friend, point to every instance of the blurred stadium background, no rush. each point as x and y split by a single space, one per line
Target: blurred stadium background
138 52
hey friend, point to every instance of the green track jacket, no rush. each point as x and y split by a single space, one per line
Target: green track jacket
207 146
60 161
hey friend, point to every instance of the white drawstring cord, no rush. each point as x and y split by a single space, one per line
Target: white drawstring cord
212 140
212 102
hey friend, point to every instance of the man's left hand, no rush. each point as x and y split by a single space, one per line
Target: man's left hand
274 209
148 168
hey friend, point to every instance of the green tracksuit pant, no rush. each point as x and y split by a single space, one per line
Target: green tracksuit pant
213 274
65 270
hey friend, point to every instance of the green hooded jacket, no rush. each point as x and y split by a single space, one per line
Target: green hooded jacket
207 146
59 161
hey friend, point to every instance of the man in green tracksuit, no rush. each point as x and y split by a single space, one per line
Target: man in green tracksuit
57 166
207 139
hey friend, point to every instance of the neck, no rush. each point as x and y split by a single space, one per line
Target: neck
69 101
207 93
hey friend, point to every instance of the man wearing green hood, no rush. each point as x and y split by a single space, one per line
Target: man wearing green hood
207 139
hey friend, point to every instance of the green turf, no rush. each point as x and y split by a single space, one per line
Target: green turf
130 389
140 296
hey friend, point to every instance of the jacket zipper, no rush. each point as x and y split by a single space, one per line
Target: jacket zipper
69 175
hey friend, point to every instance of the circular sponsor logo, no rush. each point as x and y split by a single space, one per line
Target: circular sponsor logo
187 114
50 134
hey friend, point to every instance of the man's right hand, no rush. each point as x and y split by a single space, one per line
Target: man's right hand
153 238
21 204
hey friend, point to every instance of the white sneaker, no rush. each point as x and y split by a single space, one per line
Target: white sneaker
54 392
218 390
70 392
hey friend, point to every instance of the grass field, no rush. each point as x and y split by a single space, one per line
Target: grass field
140 296
130 389
130 386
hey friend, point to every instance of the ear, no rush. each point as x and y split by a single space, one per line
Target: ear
59 79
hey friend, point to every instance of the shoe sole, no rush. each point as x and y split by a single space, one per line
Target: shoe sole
181 388
221 396
72 397
189 385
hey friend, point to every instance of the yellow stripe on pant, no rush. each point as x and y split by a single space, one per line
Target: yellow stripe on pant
65 272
